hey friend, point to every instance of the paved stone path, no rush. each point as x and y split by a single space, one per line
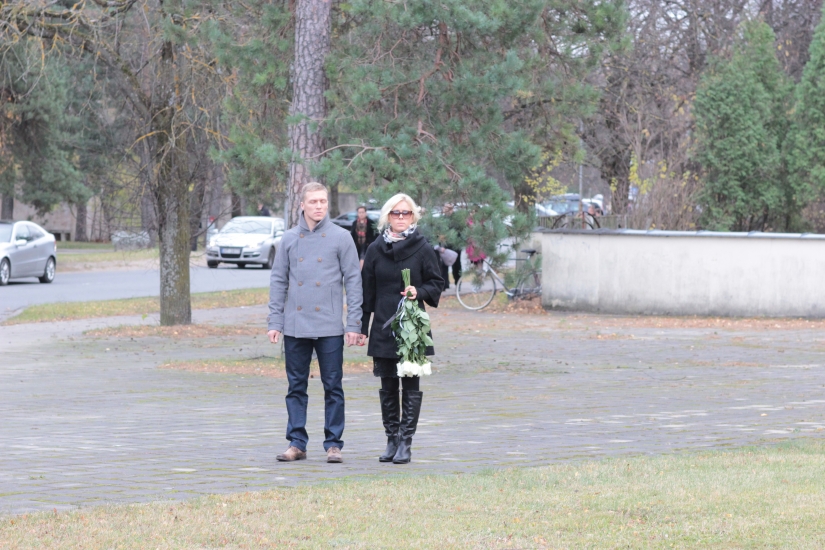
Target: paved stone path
88 421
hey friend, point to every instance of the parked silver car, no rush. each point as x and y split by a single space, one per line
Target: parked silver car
246 240
26 250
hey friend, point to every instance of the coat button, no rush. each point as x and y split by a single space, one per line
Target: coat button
319 259
318 284
357 322
323 234
300 283
300 259
317 308
302 235
299 308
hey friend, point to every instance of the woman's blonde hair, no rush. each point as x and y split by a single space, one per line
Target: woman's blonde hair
384 221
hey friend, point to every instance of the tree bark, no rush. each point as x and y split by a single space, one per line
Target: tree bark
312 35
236 205
81 217
333 201
7 209
173 198
616 170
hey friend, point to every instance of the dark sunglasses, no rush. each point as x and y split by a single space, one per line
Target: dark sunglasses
398 214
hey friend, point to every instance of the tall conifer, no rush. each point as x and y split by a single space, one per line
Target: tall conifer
741 121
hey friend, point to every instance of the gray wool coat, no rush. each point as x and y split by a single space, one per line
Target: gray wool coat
306 287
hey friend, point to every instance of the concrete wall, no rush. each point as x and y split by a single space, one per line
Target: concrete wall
62 221
684 273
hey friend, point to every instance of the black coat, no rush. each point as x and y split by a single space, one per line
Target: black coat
382 283
371 235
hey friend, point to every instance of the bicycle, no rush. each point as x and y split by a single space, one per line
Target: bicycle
574 220
477 288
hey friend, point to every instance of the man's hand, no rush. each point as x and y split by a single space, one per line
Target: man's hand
352 338
273 336
362 339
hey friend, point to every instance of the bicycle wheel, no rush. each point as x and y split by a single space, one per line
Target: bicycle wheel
476 289
530 285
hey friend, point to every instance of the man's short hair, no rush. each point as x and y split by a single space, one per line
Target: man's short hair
311 187
360 207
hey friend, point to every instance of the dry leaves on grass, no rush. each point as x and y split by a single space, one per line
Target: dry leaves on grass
176 332
271 367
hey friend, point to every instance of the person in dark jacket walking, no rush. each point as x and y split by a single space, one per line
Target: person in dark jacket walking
363 233
400 246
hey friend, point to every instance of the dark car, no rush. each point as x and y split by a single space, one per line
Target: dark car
346 220
26 250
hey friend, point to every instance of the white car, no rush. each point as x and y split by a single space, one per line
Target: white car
246 240
26 250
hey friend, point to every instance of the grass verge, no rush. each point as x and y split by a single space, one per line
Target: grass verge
257 366
69 311
764 497
178 332
109 257
77 245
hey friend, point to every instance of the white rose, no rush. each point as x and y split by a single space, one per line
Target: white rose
426 368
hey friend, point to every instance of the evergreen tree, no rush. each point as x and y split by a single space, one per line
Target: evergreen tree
453 101
456 101
37 148
741 120
256 110
807 149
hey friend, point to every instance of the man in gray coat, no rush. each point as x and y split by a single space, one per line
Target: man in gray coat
315 260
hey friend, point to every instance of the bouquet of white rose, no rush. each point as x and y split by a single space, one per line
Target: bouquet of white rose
410 326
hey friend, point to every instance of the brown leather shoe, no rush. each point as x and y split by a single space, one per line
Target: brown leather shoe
334 455
293 453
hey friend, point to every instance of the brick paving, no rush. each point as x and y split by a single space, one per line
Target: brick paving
90 421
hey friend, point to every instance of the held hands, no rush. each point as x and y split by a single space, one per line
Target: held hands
355 339
410 292
352 338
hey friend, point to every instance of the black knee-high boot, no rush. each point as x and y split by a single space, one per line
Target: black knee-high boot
390 414
411 408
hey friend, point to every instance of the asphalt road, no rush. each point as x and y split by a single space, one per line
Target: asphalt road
110 285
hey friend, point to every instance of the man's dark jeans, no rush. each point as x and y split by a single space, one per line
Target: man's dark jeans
330 352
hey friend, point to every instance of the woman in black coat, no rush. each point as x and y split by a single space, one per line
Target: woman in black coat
400 246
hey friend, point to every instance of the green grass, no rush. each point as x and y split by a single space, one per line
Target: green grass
67 311
112 257
76 245
769 497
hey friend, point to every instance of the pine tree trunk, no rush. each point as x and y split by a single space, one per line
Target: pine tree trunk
80 223
236 205
7 209
333 201
173 201
312 30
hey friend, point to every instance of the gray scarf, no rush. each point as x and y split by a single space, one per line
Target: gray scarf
392 237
